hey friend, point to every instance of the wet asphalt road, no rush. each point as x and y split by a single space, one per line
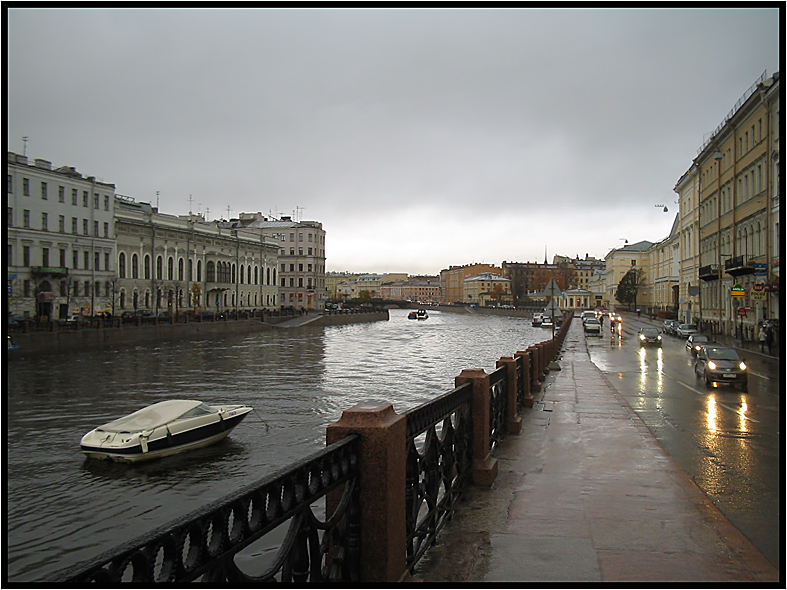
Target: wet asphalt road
727 441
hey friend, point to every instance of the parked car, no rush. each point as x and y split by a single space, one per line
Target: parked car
721 364
695 342
685 330
592 326
649 335
585 315
670 326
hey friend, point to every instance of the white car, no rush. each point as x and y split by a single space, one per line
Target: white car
685 330
592 326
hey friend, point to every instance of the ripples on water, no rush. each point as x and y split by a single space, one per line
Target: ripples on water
62 510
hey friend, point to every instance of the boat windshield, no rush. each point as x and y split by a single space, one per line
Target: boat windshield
201 410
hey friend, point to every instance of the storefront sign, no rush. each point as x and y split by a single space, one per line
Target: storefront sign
738 290
760 269
758 291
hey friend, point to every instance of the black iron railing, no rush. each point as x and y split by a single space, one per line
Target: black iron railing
498 406
439 457
202 546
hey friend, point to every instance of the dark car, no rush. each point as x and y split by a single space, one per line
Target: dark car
649 336
695 342
721 364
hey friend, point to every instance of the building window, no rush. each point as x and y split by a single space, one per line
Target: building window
134 267
74 225
106 229
61 194
10 186
25 255
86 256
62 224
74 199
44 221
26 218
75 260
170 268
159 267
122 265
10 220
62 257
26 187
96 260
106 202
95 200
84 198
44 256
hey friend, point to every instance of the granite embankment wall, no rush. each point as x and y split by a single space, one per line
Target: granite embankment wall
61 340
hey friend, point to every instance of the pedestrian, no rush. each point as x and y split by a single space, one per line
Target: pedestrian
769 338
763 338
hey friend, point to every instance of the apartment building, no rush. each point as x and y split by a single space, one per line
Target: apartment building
618 262
486 288
664 273
60 244
687 189
738 190
174 264
452 280
301 257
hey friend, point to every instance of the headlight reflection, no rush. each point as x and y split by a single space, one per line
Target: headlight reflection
712 416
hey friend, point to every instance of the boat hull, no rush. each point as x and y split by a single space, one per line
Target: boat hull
161 442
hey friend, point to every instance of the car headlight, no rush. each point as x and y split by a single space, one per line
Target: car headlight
659 336
642 336
711 365
697 347
742 366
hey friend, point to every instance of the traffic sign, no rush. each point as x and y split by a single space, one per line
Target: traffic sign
742 312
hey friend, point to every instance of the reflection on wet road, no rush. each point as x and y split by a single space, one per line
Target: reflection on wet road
728 441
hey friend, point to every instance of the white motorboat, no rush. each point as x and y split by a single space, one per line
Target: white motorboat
421 314
162 429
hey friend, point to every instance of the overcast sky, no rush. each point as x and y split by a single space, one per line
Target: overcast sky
419 138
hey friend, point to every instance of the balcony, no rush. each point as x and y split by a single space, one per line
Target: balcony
709 272
738 265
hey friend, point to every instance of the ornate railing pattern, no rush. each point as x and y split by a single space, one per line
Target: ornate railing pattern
202 546
439 443
498 406
520 383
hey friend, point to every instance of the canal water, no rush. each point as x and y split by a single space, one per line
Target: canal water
62 509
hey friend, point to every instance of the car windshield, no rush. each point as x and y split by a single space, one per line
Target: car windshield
699 338
688 327
592 321
722 354
650 331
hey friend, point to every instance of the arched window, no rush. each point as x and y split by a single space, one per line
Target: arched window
248 274
147 271
210 272
199 271
180 269
170 268
159 267
232 278
135 267
122 299
122 265
191 270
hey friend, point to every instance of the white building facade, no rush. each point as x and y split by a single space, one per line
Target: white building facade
60 243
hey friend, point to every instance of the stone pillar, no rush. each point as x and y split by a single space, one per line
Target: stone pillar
525 360
383 471
484 465
514 424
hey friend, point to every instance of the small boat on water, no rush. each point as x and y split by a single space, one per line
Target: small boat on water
162 429
417 315
538 319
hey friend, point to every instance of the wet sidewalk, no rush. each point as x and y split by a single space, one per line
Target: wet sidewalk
585 493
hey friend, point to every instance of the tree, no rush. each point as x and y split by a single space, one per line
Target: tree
630 285
497 292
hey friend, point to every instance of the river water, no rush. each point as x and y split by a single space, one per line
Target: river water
62 509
